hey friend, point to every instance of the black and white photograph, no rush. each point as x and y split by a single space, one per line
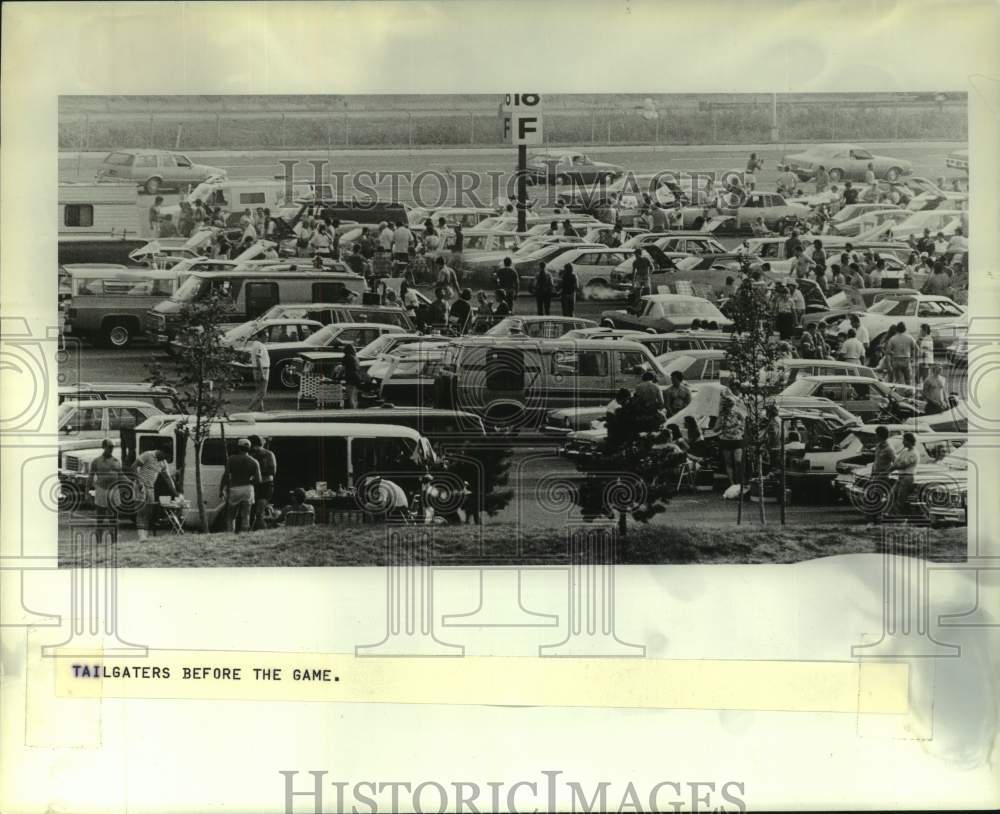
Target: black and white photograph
730 327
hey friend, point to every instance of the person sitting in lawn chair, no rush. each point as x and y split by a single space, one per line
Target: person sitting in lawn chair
298 512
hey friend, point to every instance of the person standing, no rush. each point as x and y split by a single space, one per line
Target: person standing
642 271
264 493
934 390
754 164
457 248
821 178
352 376
784 312
154 216
446 278
105 473
902 352
543 290
678 395
149 467
926 352
567 229
260 365
461 311
870 174
568 286
732 425
508 281
884 458
237 486
401 239
798 302
905 465
851 349
850 194
658 217
792 244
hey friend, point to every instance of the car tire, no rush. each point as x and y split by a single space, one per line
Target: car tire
285 377
836 174
893 173
152 185
117 334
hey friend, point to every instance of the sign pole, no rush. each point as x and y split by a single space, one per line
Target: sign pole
522 188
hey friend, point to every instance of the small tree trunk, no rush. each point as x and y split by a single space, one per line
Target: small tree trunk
202 514
760 484
622 523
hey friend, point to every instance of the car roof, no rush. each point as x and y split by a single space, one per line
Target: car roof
101 386
107 403
144 151
824 362
333 428
278 273
673 298
340 325
122 273
837 379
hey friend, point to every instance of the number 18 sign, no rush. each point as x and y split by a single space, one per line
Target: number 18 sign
522 118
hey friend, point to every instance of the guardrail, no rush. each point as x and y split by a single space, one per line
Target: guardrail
717 124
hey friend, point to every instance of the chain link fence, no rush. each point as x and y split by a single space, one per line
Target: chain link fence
737 124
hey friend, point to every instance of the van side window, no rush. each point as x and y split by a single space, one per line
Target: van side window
260 297
78 215
214 453
307 460
380 455
247 198
630 363
580 363
331 292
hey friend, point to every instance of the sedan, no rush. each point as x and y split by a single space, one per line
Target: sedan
284 369
667 312
859 395
846 161
772 207
569 167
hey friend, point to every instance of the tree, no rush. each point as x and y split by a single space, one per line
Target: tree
752 358
203 374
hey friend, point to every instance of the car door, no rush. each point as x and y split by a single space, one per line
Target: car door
862 399
830 390
629 365
578 378
185 169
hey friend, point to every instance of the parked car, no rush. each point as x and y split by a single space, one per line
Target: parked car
845 162
107 306
958 160
162 397
406 376
155 169
284 370
697 366
336 312
271 331
913 310
537 327
940 484
667 312
101 418
568 167
864 397
770 206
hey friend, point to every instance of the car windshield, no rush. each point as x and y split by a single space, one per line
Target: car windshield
323 336
838 300
685 308
240 332
189 290
893 307
670 363
379 345
65 411
867 439
800 387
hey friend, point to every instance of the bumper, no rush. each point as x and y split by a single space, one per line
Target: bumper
558 432
949 514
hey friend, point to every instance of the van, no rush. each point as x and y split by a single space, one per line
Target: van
336 453
234 195
250 294
513 383
107 305
359 211
438 426
98 222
